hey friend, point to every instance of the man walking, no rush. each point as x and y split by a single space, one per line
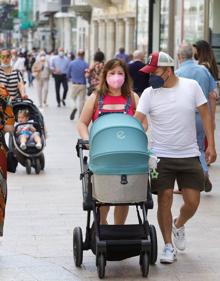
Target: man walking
170 103
189 69
140 79
76 74
59 68
121 55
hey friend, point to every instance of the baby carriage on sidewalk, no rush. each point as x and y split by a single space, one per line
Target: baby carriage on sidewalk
31 156
116 174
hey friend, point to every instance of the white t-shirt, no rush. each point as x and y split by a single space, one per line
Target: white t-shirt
172 116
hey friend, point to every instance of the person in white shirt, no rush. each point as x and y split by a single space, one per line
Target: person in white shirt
170 103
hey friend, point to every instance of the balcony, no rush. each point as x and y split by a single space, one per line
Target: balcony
49 7
104 3
82 8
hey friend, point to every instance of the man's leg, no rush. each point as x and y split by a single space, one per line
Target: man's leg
164 215
57 87
74 95
65 88
82 97
191 198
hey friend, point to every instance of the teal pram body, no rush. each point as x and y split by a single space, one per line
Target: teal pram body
118 159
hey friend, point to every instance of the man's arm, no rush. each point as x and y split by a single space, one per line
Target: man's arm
209 131
142 118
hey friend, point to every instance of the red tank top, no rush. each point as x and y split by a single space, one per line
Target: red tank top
117 100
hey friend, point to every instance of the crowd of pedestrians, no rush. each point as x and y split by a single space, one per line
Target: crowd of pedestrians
179 103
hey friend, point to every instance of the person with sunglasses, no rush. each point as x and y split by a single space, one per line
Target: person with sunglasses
10 78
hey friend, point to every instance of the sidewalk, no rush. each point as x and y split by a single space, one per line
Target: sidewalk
43 209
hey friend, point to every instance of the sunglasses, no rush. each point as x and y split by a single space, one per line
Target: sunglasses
5 56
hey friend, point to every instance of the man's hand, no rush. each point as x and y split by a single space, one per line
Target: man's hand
210 155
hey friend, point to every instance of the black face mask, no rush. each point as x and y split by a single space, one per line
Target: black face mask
156 81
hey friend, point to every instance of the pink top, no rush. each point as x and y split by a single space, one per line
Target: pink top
107 99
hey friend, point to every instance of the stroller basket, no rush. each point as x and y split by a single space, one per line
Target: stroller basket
118 159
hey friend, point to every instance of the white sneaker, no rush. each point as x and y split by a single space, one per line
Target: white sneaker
168 255
179 237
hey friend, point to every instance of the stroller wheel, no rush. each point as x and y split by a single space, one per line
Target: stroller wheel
144 263
42 161
101 266
153 250
77 246
37 166
28 166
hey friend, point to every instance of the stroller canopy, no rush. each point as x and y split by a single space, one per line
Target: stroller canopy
118 145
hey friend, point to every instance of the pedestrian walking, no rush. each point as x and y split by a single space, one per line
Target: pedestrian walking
171 103
94 71
205 56
41 72
76 73
189 69
114 94
121 55
10 78
20 64
6 125
59 67
29 62
140 79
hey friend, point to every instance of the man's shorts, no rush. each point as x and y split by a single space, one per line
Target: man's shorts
186 171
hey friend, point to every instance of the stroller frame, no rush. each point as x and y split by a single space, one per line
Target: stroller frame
134 239
30 157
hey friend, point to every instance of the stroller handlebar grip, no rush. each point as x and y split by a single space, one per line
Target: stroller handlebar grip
81 144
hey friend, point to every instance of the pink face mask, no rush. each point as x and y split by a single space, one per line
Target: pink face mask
115 81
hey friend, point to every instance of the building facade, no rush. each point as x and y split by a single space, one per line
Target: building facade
133 24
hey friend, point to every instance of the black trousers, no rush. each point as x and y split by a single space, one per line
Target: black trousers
61 79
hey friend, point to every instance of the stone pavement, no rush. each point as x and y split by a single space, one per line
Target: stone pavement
43 209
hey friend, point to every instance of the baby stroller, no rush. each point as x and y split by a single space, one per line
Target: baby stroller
117 174
31 156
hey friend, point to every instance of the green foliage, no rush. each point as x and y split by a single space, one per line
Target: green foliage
8 13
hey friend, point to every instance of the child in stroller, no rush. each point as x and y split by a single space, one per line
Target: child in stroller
28 152
26 131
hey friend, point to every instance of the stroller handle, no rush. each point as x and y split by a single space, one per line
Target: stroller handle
81 144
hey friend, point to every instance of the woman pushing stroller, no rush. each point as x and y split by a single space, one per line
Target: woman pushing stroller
113 95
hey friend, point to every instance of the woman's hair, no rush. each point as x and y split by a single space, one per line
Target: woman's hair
126 88
206 57
24 112
99 56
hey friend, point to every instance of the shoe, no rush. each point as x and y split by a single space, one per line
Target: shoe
168 255
58 105
72 115
63 101
38 145
208 184
179 237
23 146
